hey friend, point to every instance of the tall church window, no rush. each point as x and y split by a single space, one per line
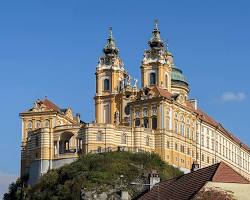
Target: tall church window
154 123
106 84
145 122
152 78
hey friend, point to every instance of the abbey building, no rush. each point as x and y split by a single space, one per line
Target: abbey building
158 117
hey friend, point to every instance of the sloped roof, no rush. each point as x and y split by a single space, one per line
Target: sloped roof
50 105
187 185
162 92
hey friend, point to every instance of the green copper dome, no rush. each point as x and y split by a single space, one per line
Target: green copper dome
177 77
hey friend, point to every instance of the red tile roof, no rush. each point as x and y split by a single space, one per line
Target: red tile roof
188 185
163 92
226 174
51 105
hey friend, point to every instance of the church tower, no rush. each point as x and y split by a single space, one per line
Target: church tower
157 63
110 75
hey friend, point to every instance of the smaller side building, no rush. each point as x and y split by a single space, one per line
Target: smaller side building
218 181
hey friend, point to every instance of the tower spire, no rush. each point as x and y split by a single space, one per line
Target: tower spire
156 24
110 48
155 42
110 33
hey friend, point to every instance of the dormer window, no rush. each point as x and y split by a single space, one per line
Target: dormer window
152 78
106 84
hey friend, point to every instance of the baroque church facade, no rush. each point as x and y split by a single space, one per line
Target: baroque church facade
159 117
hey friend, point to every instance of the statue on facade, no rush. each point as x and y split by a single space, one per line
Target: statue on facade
129 80
135 83
117 118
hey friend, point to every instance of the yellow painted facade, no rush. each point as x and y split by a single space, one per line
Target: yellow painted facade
159 117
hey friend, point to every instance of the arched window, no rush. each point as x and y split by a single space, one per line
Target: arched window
182 126
99 136
154 123
152 78
166 81
30 124
123 138
106 84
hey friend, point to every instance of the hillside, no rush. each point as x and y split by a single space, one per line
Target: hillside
96 174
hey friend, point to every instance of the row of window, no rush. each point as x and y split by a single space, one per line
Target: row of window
184 130
226 152
100 135
145 112
38 124
181 148
145 122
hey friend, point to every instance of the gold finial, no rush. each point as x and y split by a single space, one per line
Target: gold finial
156 24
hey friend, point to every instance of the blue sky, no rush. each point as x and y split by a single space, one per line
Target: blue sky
51 48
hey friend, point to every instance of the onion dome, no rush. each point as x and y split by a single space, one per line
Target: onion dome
110 48
155 42
177 78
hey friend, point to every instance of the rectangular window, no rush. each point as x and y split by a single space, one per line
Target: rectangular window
188 134
176 147
145 122
168 145
176 127
182 149
202 140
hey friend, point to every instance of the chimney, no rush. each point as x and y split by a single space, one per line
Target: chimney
195 166
153 178
194 103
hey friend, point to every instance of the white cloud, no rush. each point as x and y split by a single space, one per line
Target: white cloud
233 96
5 180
